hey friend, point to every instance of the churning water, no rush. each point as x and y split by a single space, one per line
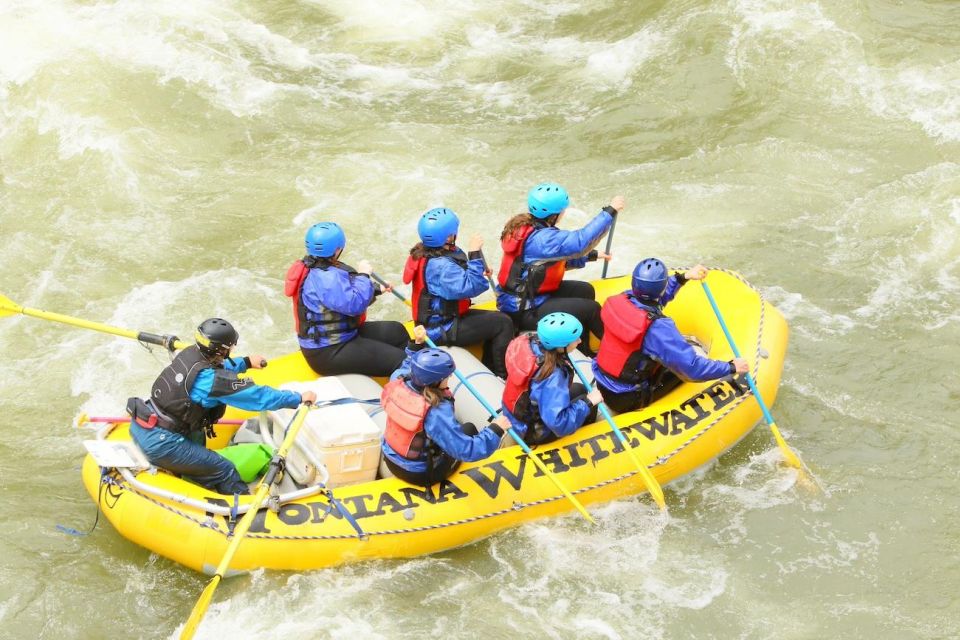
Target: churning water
160 161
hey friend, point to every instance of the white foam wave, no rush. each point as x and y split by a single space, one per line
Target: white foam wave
783 33
115 369
808 319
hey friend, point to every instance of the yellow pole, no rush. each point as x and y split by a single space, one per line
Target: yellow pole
8 308
200 608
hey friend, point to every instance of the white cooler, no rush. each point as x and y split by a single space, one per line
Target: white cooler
342 438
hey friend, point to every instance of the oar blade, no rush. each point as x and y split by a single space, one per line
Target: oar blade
8 307
199 609
656 491
792 458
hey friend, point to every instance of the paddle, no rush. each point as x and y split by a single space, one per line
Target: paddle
652 485
85 419
788 453
523 445
493 413
486 272
171 343
389 286
606 263
276 464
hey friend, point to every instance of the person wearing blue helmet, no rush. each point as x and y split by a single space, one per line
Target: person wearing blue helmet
444 279
541 399
424 442
642 354
536 254
330 300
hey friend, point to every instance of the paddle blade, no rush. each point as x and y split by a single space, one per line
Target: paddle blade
788 454
8 307
656 491
199 609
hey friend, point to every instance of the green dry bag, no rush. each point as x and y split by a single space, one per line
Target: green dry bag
250 459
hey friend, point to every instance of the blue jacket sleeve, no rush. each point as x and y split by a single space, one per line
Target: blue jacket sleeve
556 244
664 343
446 279
239 393
553 398
442 427
338 290
237 365
673 286
404 368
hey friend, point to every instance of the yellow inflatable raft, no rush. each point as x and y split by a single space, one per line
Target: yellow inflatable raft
304 529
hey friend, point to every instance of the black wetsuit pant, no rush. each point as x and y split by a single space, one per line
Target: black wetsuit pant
573 297
376 350
439 465
639 398
492 328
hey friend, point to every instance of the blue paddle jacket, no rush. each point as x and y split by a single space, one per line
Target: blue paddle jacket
241 393
448 280
551 243
552 396
664 343
335 291
442 427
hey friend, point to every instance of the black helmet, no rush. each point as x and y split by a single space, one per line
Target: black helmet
215 337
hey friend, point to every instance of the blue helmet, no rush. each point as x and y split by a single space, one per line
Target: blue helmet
436 226
557 330
649 279
430 366
547 199
324 239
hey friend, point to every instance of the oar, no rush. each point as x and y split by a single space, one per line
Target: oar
788 453
493 413
172 343
85 419
392 290
606 263
523 445
486 271
276 464
652 485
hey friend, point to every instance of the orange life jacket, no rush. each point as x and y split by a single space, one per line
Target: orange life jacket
414 271
624 328
541 277
406 410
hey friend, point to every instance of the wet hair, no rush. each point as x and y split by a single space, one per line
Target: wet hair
522 219
418 251
551 358
433 394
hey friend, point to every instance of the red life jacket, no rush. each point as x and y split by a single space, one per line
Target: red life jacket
421 300
328 321
624 328
522 364
406 410
541 277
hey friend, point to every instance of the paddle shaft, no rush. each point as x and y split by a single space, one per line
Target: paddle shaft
122 419
169 342
736 352
652 485
523 445
606 263
276 465
392 290
486 272
788 453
